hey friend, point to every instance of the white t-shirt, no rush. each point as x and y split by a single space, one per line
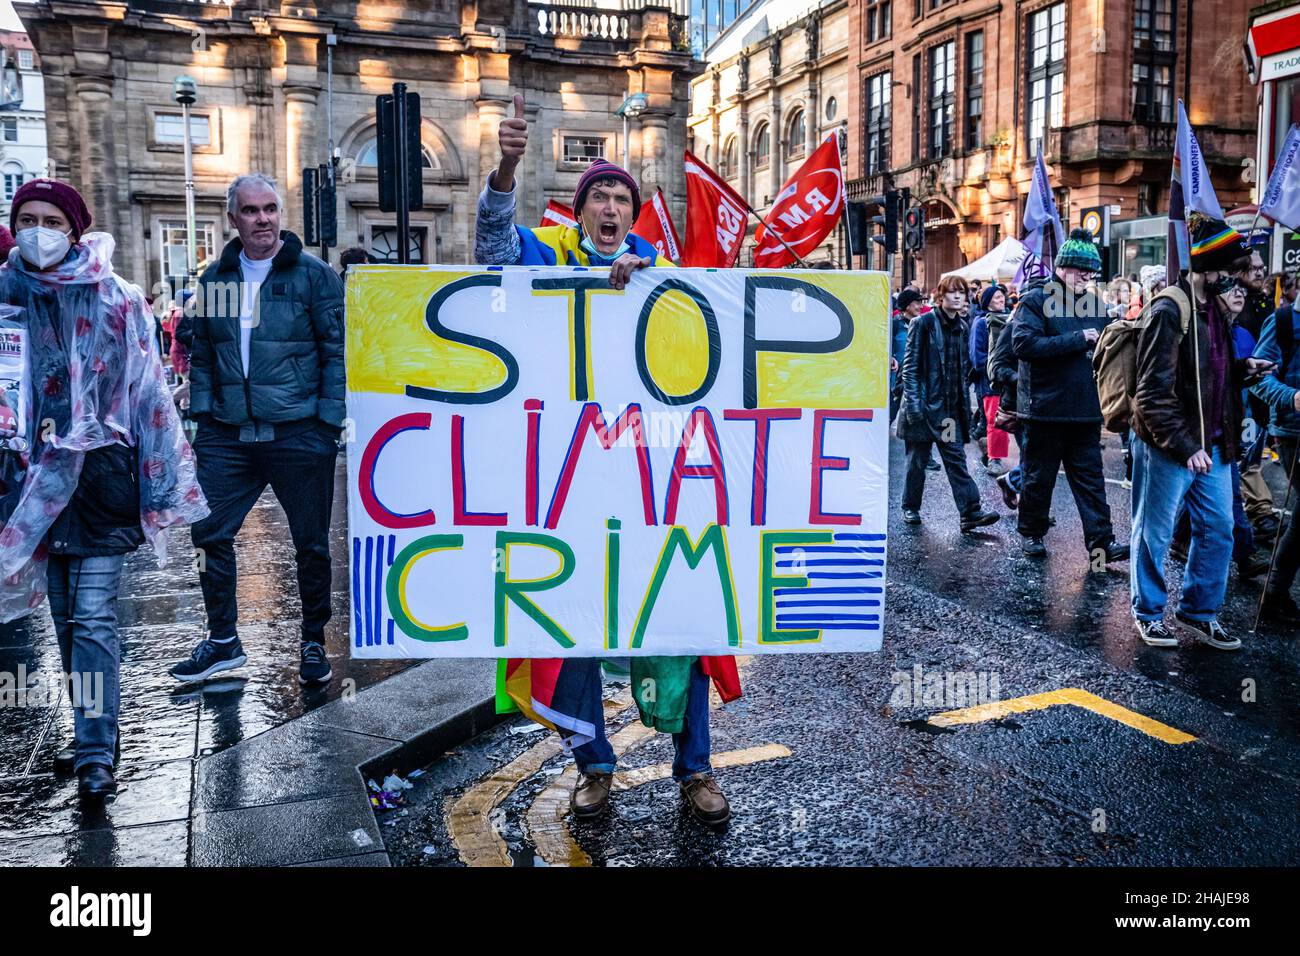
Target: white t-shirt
255 273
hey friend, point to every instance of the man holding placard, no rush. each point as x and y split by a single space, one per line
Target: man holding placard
606 203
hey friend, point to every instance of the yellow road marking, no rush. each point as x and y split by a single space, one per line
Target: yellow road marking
627 779
469 816
1066 695
546 818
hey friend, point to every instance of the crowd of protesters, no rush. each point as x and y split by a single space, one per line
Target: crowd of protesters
1198 379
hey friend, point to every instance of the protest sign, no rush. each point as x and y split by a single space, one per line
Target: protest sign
13 379
542 466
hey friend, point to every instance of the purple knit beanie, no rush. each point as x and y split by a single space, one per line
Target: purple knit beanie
58 194
604 169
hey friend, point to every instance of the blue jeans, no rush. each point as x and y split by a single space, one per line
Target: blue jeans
1160 485
691 745
83 603
1243 535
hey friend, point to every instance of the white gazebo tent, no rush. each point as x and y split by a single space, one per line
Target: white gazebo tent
1000 264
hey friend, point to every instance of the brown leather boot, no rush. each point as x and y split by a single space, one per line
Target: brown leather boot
591 794
706 800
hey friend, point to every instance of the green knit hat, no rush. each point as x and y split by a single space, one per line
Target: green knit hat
1078 252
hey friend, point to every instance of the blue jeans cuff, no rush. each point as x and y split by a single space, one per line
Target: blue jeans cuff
596 768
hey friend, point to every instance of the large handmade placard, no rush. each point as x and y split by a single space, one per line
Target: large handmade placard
540 465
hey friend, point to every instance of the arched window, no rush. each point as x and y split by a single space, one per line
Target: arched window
762 146
729 167
708 155
794 142
13 178
368 154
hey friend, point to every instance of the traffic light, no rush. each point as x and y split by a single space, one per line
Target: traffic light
319 206
858 230
328 220
399 118
888 202
914 229
310 229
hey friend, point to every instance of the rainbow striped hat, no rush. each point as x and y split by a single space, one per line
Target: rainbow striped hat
1215 244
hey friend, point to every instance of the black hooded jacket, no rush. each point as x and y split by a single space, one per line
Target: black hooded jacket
1055 382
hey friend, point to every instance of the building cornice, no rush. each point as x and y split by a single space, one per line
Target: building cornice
926 34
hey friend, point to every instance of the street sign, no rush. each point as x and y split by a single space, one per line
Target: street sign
1096 219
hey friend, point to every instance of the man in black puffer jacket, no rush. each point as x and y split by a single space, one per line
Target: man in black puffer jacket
1055 327
267 391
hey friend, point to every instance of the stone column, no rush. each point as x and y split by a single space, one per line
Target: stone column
300 145
97 170
811 117
742 151
777 156
654 149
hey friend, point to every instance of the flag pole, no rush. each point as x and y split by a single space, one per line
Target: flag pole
764 222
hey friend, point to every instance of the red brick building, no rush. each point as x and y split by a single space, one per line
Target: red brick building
952 97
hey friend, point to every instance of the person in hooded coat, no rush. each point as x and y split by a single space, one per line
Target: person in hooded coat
107 467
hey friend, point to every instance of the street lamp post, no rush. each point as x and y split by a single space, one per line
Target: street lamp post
186 92
631 107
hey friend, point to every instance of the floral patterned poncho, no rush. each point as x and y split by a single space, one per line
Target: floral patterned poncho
95 379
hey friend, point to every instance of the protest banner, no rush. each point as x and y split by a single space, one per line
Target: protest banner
13 379
542 466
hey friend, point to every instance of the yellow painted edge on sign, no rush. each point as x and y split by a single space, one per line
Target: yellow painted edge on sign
1066 695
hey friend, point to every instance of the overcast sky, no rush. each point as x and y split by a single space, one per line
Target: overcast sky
8 19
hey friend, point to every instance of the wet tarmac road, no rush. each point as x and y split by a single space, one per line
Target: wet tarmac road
166 727
871 779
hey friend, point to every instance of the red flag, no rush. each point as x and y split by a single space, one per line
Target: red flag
655 226
715 218
558 214
806 210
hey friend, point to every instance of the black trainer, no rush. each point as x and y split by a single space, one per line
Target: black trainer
1155 634
210 657
315 666
932 465
1212 634
1033 547
1116 552
911 516
980 519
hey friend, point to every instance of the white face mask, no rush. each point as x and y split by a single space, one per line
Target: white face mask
43 247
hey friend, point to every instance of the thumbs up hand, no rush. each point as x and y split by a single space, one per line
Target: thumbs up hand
512 134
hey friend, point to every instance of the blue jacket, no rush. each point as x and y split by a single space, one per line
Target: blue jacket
1279 389
979 354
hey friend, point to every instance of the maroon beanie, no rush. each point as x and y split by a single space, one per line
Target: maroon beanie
6 243
604 169
55 193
